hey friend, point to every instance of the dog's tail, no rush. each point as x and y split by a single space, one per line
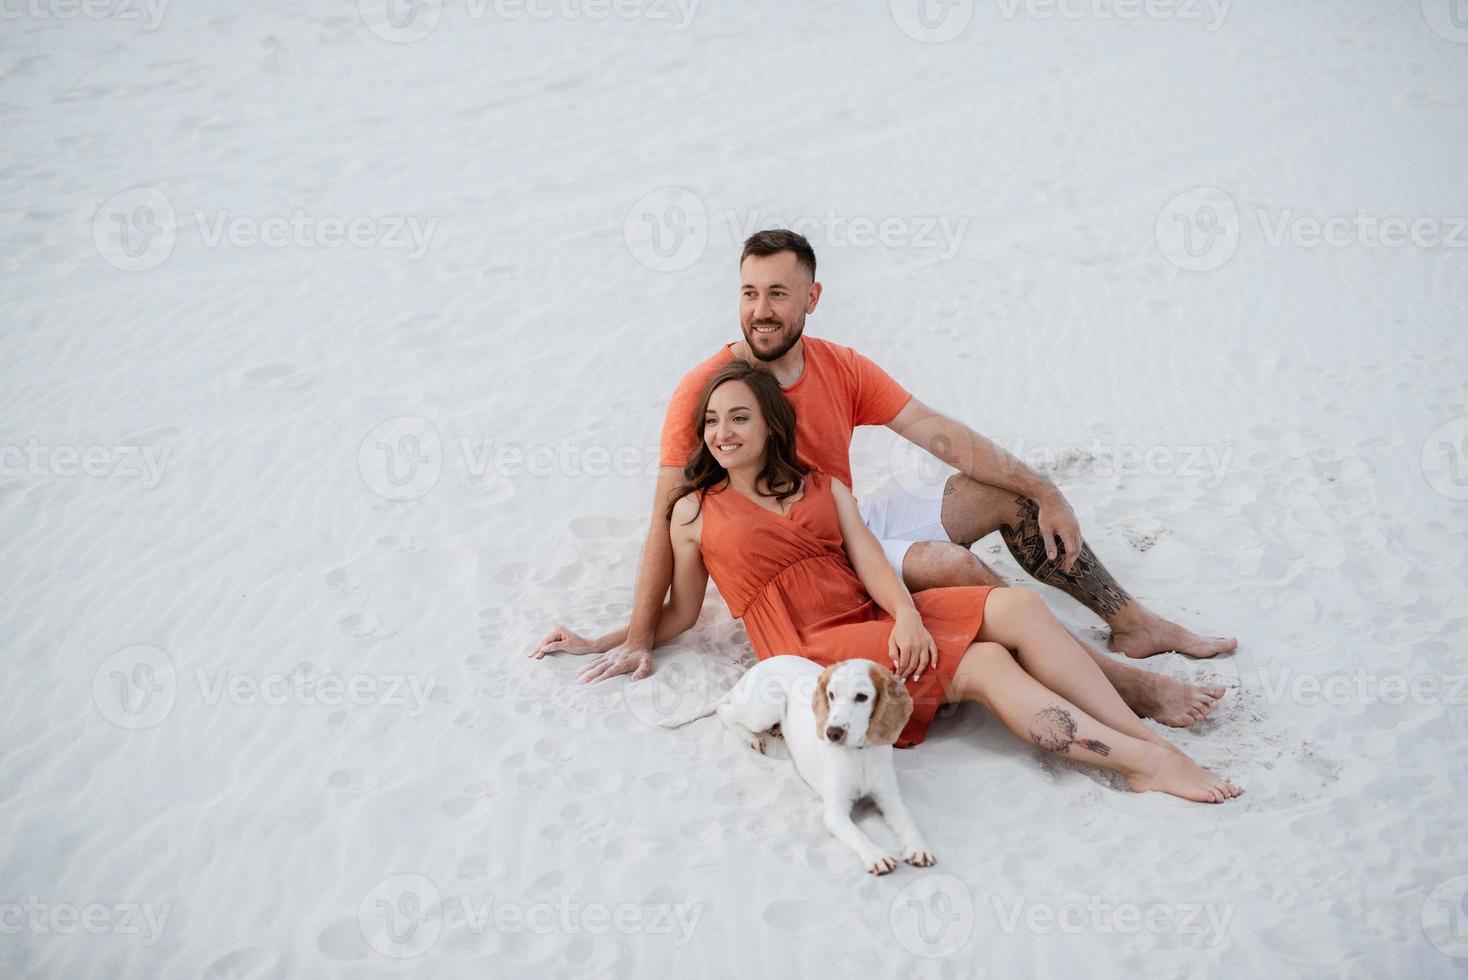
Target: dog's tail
678 721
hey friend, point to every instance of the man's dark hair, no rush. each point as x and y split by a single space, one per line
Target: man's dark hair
781 240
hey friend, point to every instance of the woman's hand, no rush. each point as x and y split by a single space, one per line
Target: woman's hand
621 659
911 646
563 640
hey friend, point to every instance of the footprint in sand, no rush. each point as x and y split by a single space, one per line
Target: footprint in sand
355 724
342 941
789 914
491 487
352 780
461 806
475 721
274 377
473 866
345 580
402 546
366 627
243 964
597 528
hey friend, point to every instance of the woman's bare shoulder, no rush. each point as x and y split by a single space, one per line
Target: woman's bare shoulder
687 516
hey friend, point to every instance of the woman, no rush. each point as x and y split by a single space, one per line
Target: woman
789 553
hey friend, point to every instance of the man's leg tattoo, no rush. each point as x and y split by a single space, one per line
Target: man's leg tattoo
1089 581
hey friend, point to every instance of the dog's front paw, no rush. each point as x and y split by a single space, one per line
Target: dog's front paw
881 864
757 743
920 858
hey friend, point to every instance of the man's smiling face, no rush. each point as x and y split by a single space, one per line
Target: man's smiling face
776 293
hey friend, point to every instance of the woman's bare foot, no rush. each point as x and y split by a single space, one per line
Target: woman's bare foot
1171 702
1152 634
1173 773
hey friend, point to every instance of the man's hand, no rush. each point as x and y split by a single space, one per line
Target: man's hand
618 660
563 640
1058 522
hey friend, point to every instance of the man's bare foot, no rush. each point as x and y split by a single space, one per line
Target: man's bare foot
1175 774
1171 702
1152 635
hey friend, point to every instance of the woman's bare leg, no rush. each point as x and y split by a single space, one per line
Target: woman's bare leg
989 675
1020 621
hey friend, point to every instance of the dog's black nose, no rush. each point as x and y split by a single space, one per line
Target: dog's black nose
835 733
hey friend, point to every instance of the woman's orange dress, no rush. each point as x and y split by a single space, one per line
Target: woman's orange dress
789 579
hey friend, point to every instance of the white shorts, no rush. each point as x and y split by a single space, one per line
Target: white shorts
901 517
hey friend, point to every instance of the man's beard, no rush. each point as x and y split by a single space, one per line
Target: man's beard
778 352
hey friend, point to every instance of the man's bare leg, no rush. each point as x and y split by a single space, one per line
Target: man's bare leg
972 510
934 564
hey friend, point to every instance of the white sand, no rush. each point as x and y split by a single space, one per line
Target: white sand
527 811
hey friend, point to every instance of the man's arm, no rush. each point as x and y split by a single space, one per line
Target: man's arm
975 456
633 654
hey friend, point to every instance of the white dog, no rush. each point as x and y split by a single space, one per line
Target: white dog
840 724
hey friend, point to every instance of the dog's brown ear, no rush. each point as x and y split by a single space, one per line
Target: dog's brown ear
891 708
820 705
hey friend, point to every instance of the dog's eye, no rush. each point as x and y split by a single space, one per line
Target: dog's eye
860 697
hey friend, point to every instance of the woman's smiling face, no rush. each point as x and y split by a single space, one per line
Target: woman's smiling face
733 427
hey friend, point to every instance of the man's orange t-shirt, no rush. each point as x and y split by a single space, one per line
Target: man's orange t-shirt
837 390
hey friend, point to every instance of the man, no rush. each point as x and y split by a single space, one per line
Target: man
927 539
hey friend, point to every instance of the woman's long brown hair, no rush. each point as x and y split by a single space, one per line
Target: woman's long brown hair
782 472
